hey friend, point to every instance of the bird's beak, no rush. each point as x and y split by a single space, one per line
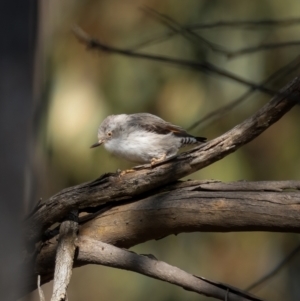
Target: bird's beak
97 144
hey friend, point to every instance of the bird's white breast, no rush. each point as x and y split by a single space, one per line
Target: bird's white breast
141 146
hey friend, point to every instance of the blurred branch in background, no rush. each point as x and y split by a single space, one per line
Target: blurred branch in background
247 24
188 33
196 39
193 37
277 269
95 44
262 47
223 111
216 114
176 28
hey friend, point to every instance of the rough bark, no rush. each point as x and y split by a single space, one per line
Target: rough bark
200 206
184 207
96 252
65 256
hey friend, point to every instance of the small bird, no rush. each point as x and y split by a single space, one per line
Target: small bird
142 137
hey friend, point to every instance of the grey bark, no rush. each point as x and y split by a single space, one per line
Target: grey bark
65 256
183 207
96 252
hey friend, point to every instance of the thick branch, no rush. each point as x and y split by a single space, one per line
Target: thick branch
188 207
91 251
200 207
112 187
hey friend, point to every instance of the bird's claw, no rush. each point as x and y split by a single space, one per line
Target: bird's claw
124 172
157 160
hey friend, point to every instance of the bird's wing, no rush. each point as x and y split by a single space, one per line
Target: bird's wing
152 123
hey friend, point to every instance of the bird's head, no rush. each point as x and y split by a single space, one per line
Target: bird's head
109 129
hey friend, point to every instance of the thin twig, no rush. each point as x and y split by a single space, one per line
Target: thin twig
263 47
222 111
250 24
272 273
236 25
206 67
190 35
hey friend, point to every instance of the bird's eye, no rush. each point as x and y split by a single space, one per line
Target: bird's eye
109 134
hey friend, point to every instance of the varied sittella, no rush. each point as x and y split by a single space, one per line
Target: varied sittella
142 137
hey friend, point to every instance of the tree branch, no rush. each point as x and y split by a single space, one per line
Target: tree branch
200 206
97 252
65 256
249 24
176 28
205 67
263 47
186 207
236 25
113 188
275 270
222 111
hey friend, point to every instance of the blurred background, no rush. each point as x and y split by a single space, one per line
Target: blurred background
76 88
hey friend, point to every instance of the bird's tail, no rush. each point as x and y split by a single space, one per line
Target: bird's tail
192 140
201 139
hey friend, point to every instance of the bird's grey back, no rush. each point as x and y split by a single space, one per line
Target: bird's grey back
152 123
145 122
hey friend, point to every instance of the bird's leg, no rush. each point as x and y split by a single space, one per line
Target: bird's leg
158 160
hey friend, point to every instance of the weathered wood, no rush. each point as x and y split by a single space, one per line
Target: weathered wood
188 207
192 209
65 256
91 251
96 252
112 187
200 206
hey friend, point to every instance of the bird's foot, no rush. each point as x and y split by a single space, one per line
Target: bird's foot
157 160
124 172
